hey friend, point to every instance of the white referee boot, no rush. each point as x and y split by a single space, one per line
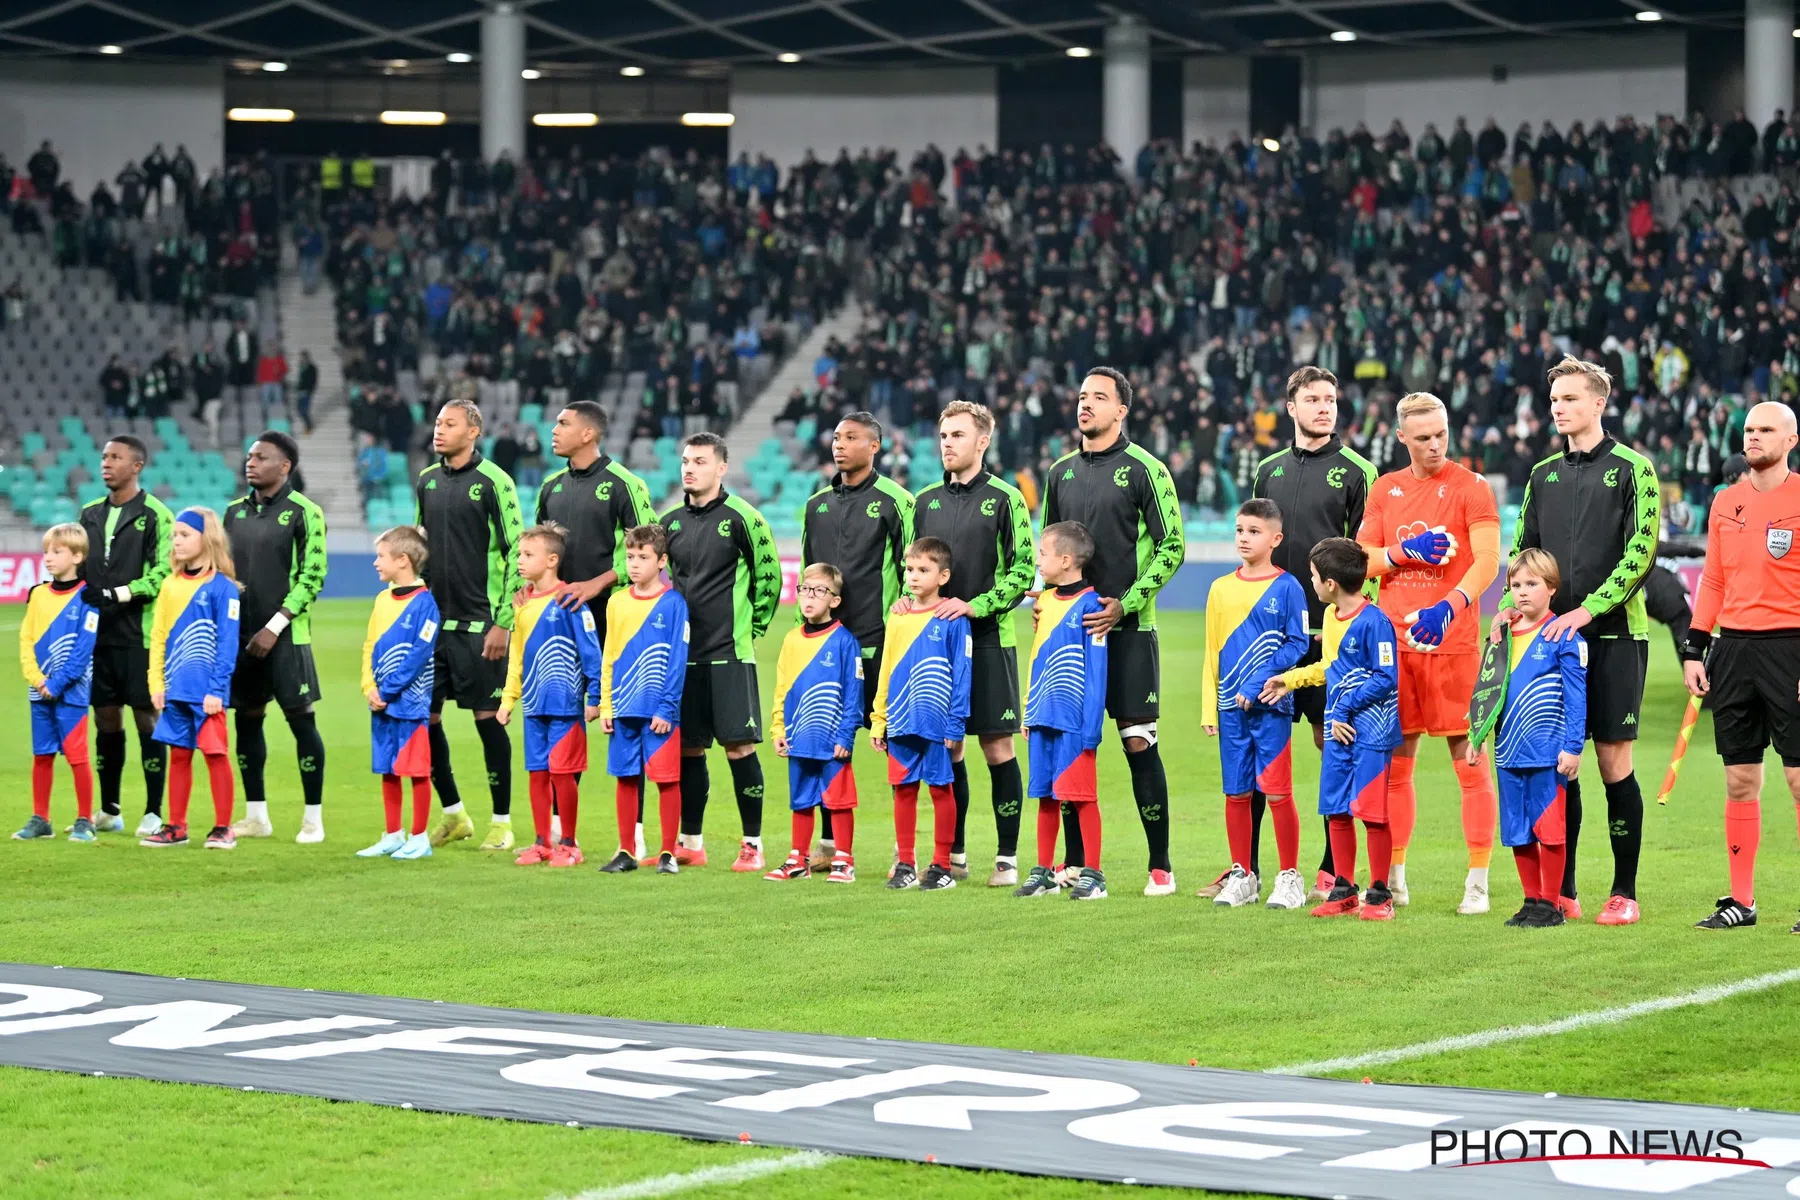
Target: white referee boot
312 826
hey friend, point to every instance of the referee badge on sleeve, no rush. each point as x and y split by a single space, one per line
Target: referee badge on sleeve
1780 541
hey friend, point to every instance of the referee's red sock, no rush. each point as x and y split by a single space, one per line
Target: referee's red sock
539 790
43 777
421 796
390 802
1238 827
1088 812
1531 871
84 790
943 825
906 822
1743 834
1286 819
1049 825
566 790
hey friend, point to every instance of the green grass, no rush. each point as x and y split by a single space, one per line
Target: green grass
1163 980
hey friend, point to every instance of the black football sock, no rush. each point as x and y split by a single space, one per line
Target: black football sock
694 786
959 789
1074 853
154 756
1572 827
1008 787
252 756
1325 859
309 750
1625 826
1259 804
496 751
109 763
747 782
825 834
443 778
1150 788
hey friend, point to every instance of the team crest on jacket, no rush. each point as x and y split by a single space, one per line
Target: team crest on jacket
1780 541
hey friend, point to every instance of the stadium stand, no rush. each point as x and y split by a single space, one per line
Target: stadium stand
110 302
667 289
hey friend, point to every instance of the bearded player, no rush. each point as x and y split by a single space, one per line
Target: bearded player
1433 536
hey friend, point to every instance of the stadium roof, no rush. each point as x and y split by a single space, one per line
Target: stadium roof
705 34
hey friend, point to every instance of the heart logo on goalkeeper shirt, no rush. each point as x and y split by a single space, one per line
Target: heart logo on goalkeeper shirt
1412 530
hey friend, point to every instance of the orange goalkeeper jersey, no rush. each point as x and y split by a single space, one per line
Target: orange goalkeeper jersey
1400 505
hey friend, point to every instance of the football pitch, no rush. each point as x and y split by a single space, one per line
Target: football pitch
1168 980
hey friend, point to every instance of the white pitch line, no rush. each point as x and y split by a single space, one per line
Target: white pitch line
1513 1033
720 1176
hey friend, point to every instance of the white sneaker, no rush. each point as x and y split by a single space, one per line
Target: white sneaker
1067 877
1241 888
556 829
1288 892
1397 885
256 827
1005 875
1160 883
389 843
311 833
149 825
109 823
1475 899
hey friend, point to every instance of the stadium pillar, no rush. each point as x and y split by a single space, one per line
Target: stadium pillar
502 85
1125 90
1768 59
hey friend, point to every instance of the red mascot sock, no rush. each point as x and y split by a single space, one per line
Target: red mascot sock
1551 862
421 792
1089 815
43 776
626 794
181 784
843 827
566 791
1238 827
803 831
1049 825
943 824
224 795
390 802
1286 820
668 805
84 790
541 797
1343 845
906 822
1381 852
1531 871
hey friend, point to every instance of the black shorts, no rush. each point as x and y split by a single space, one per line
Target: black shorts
1133 675
287 675
994 706
1753 697
871 681
122 677
719 703
460 673
1615 688
1309 702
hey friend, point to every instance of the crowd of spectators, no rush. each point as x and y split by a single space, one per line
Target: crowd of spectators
211 263
531 284
1463 265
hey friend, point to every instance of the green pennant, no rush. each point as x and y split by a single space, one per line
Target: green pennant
1490 688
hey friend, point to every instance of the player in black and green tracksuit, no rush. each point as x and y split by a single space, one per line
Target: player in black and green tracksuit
469 510
722 560
277 541
992 562
1126 499
128 558
1599 512
597 500
861 524
1321 493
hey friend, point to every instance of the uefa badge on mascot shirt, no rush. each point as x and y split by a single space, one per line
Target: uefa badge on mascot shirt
1780 541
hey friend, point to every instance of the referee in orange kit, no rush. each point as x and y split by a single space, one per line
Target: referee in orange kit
1751 589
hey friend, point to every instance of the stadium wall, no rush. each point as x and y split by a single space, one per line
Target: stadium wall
1512 81
99 114
785 112
1215 99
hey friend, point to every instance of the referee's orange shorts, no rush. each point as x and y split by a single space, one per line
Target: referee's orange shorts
1434 692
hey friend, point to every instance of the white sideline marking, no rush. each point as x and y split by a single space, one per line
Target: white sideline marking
664 1185
1512 1033
721 1176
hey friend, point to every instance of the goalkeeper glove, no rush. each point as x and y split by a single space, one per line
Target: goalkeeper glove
1432 547
1429 625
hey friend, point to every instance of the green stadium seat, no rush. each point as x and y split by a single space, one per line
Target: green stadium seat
33 444
531 414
